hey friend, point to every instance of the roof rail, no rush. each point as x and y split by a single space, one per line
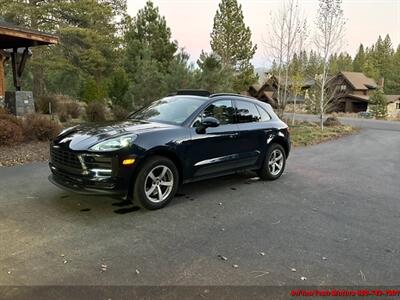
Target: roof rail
230 94
194 92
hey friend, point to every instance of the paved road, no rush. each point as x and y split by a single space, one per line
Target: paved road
334 216
356 122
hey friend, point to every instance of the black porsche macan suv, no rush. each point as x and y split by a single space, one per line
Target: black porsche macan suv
174 140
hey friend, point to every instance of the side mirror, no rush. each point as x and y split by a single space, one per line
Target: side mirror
210 122
205 123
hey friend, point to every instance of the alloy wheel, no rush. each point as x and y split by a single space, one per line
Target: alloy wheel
159 183
275 162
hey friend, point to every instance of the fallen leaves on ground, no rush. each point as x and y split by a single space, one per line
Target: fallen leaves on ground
23 153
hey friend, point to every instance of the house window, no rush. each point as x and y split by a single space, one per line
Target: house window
343 88
398 105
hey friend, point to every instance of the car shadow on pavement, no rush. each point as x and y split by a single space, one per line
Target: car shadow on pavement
194 190
94 205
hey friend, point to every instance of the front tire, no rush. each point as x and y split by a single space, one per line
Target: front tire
156 183
274 163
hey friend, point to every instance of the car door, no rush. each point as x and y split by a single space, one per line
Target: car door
253 132
215 151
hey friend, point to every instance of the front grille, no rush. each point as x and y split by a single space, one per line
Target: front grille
64 158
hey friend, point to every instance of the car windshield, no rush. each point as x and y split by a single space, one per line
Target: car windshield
171 110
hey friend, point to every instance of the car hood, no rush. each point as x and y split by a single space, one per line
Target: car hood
82 137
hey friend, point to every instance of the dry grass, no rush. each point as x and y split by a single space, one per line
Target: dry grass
309 133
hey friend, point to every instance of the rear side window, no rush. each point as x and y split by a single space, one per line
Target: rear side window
263 113
247 112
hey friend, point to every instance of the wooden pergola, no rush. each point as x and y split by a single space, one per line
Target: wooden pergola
15 42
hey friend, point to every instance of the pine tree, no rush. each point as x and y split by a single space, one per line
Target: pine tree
92 91
148 56
148 35
392 82
370 68
214 76
274 68
333 64
378 104
181 73
148 84
340 62
117 88
379 59
295 65
359 59
385 56
231 40
314 66
344 62
370 63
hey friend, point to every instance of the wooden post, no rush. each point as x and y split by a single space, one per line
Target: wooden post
15 67
18 64
2 79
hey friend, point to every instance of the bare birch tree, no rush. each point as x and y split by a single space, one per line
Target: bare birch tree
275 46
285 30
297 76
330 25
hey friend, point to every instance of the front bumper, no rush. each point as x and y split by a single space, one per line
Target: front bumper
90 184
85 172
81 189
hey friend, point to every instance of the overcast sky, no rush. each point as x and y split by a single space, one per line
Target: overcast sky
191 21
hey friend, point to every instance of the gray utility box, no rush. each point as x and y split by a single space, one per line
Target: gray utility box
20 103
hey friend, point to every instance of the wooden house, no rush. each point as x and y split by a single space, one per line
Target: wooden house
268 91
351 91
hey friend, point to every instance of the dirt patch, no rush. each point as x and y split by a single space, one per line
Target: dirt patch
23 153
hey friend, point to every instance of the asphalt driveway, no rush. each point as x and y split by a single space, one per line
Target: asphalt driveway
355 122
333 219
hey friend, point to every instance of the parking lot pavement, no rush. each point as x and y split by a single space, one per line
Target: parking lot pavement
333 219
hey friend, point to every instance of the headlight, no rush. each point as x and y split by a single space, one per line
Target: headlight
114 143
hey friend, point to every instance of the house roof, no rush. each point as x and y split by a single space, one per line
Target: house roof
392 98
359 81
273 80
13 36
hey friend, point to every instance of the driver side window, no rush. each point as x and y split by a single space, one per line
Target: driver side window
222 110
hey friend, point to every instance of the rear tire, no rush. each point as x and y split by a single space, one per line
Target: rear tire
274 163
156 183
